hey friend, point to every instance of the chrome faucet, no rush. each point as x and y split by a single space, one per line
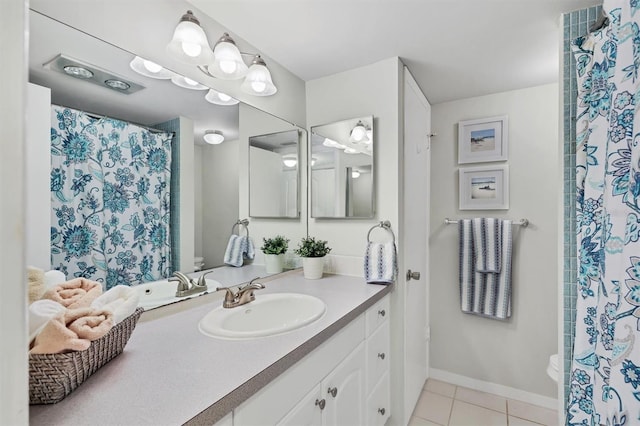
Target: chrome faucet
243 296
189 286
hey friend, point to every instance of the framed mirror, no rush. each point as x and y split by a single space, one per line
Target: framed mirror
274 175
341 156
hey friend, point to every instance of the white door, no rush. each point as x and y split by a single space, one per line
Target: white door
417 157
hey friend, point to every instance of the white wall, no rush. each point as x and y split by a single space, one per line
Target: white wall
14 408
37 177
219 199
513 353
370 90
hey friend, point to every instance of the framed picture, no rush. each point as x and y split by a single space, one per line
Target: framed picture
480 141
484 188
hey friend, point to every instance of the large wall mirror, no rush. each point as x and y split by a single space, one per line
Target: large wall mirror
274 175
216 200
342 169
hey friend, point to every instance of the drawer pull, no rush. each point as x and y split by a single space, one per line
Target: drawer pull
332 391
321 403
381 355
381 312
381 411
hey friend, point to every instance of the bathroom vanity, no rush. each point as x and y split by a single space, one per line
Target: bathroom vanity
334 370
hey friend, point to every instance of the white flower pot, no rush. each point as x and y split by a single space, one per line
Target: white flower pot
312 267
274 263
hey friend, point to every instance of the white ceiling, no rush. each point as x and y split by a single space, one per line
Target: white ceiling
454 48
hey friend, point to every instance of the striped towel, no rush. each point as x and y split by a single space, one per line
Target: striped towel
485 284
238 248
380 263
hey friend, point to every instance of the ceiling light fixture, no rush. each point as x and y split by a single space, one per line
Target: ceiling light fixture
189 43
118 85
220 98
349 150
355 174
258 80
290 160
187 83
78 72
213 137
149 69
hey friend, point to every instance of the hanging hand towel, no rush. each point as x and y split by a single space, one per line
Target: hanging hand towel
77 293
482 292
121 300
380 263
487 238
238 248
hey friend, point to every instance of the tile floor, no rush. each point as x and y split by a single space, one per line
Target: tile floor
444 404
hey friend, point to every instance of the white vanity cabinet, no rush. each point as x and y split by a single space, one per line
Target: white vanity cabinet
345 381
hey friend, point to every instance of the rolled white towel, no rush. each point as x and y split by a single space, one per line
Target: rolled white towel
53 277
121 300
41 312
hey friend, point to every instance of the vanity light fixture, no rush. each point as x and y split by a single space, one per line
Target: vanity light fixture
290 160
358 133
227 60
220 98
258 80
213 137
355 174
187 83
189 43
149 69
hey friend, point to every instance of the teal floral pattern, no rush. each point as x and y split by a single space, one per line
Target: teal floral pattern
110 199
605 374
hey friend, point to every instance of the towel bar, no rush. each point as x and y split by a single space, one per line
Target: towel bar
243 222
522 222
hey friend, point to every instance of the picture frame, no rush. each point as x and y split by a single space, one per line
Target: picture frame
484 188
483 140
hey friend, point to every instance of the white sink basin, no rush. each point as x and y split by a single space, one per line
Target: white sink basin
268 315
160 293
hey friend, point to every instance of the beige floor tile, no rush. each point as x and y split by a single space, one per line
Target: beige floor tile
464 414
483 399
441 388
417 421
515 421
532 413
433 407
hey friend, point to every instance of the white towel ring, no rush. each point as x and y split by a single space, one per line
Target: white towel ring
243 222
386 225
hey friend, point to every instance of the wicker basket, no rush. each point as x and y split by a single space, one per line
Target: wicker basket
53 376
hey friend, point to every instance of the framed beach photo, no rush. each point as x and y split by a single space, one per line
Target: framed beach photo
484 188
483 140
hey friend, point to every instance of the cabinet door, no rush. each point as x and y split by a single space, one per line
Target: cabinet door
378 404
307 412
343 389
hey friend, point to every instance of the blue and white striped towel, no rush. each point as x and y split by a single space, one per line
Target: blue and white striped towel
485 292
238 248
380 263
487 239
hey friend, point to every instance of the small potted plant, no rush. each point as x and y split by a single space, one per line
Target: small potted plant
274 250
312 252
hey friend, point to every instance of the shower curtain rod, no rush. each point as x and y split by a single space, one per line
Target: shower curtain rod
101 116
522 222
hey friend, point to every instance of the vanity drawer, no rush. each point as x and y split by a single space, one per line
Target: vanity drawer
377 408
377 355
377 314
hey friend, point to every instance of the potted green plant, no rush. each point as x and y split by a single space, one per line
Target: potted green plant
312 252
274 250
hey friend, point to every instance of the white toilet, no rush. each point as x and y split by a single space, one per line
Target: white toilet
552 368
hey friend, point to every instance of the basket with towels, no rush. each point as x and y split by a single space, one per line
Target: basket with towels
74 329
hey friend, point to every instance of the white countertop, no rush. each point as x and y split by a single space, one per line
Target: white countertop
170 373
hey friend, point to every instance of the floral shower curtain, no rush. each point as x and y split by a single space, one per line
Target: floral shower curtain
110 199
605 374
